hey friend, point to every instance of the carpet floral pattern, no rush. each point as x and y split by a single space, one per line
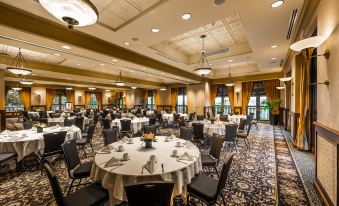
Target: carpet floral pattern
252 180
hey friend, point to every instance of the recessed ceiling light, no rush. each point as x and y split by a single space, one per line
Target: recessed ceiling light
273 58
155 30
33 74
107 90
130 70
277 3
162 73
114 60
186 16
66 47
69 88
102 65
56 54
126 43
230 60
78 64
274 46
143 68
133 87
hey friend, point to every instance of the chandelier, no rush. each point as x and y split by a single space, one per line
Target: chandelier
17 88
203 65
18 65
120 82
163 86
229 83
26 81
72 12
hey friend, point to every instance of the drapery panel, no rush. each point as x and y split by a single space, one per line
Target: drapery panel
156 97
87 98
302 140
247 88
25 96
70 94
214 91
230 93
99 100
272 92
50 94
174 97
145 99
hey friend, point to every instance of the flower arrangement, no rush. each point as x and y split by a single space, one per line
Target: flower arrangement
213 119
39 127
148 139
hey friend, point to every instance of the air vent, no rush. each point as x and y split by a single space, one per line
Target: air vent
217 52
168 57
293 20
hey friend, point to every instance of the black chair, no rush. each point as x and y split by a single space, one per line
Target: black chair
55 115
230 134
208 115
139 115
212 159
150 129
76 170
208 189
90 195
242 125
43 121
200 117
244 135
125 126
117 115
6 157
176 120
25 116
186 133
79 122
27 125
223 118
52 142
69 122
150 194
254 122
87 139
152 121
111 135
198 133
43 114
106 123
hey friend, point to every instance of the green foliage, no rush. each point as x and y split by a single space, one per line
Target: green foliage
273 106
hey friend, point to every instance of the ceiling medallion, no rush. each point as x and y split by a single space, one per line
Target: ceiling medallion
120 82
229 83
18 65
72 12
203 65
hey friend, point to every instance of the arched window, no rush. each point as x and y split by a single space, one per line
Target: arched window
13 101
59 101
182 100
93 102
222 102
256 102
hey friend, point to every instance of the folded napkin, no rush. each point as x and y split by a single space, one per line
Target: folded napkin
73 128
113 162
189 144
151 166
105 150
186 156
172 136
124 139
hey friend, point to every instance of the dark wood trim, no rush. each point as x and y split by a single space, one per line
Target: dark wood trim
2 120
322 193
329 134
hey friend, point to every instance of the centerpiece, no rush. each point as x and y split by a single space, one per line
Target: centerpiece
212 119
148 139
39 127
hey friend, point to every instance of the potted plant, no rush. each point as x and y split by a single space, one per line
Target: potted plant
39 127
273 106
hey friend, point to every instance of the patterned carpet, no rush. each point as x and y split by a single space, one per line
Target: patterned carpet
290 186
252 180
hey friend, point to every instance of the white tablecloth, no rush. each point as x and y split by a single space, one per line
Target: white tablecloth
60 121
169 117
33 141
130 173
33 114
136 123
234 118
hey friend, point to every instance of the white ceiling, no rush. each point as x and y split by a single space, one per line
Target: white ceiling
247 27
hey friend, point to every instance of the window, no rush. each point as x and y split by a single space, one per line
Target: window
59 101
181 100
150 100
256 102
93 102
222 100
13 101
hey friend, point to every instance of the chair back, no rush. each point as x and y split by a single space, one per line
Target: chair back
224 174
150 129
55 115
106 123
79 122
69 122
152 121
208 115
223 118
248 129
25 114
176 117
43 114
159 117
231 132
249 119
43 120
198 130
151 194
27 125
71 155
110 135
139 115
242 124
117 115
125 125
90 132
200 117
190 118
217 141
57 192
53 142
186 133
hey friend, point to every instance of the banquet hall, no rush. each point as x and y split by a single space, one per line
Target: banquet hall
169 102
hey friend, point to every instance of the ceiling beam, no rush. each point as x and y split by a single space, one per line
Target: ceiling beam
36 25
258 77
7 60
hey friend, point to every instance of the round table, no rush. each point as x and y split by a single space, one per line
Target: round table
234 118
60 121
169 117
136 123
32 141
114 179
217 127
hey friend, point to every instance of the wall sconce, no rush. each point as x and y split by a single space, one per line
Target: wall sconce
312 42
38 97
79 99
237 93
280 88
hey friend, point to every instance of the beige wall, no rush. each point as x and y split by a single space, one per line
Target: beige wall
238 88
79 97
133 97
2 91
106 95
164 97
38 96
195 98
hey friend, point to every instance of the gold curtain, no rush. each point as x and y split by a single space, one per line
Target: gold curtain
302 141
70 94
25 95
145 98
50 93
214 90
87 98
174 97
99 100
124 101
230 92
247 88
156 97
272 92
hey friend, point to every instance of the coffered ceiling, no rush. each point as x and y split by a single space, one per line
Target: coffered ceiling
239 36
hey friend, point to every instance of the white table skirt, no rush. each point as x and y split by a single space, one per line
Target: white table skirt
130 173
24 146
136 123
217 127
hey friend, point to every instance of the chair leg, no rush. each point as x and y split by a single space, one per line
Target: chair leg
70 187
90 143
223 199
216 170
188 199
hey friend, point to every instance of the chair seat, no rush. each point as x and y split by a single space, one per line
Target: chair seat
82 141
84 170
83 135
241 135
91 195
126 131
207 160
7 156
204 187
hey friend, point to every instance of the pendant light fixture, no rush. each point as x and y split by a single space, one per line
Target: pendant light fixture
203 65
26 82
72 12
92 87
229 83
17 88
19 65
163 86
120 82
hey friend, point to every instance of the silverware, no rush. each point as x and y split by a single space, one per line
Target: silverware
102 163
182 162
116 166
